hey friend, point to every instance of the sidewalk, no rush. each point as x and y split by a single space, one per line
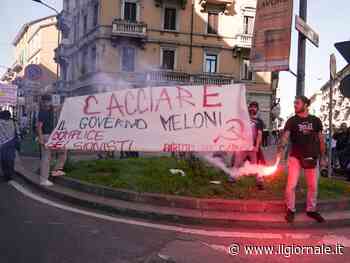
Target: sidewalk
175 209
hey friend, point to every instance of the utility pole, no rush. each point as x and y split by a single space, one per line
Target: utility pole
300 89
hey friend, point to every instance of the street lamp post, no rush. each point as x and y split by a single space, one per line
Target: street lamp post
59 33
301 52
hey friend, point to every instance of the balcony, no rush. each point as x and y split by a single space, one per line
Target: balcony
136 31
60 54
183 78
64 20
225 5
213 79
244 41
182 3
168 77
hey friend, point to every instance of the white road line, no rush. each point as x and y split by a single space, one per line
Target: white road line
184 230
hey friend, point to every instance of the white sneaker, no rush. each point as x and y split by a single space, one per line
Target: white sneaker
58 173
46 183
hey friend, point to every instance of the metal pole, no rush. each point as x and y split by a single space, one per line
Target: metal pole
58 45
300 90
331 83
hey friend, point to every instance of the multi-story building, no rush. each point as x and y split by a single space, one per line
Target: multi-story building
341 105
109 45
316 104
34 44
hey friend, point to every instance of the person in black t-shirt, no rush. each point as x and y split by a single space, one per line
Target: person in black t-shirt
307 146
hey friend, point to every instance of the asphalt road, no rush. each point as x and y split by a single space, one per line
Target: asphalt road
32 231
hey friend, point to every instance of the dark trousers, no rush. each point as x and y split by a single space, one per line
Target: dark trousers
8 155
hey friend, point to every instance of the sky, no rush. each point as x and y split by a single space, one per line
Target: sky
13 14
329 18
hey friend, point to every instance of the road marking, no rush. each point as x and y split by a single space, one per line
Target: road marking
184 230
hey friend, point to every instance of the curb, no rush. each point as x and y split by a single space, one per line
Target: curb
184 216
201 204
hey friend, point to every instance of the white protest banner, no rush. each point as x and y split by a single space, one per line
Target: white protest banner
169 119
8 94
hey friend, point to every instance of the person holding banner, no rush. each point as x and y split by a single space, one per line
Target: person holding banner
45 126
307 147
257 126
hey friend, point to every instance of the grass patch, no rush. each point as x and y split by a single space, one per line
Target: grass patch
152 175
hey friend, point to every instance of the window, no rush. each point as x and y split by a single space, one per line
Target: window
168 59
213 21
84 68
128 59
96 10
85 24
248 25
130 11
170 18
93 59
211 61
247 74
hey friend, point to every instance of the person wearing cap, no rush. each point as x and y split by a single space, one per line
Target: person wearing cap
45 126
257 126
307 147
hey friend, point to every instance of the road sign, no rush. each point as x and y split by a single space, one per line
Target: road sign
345 87
307 31
33 72
333 66
344 49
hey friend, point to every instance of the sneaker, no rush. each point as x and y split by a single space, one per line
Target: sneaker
46 183
58 173
290 216
316 216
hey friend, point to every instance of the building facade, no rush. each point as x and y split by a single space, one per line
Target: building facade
316 104
109 45
341 105
35 43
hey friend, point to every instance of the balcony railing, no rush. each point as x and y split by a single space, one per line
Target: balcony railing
225 4
182 3
185 78
168 76
129 29
213 79
244 40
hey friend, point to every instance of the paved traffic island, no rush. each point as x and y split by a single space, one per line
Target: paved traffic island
146 188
